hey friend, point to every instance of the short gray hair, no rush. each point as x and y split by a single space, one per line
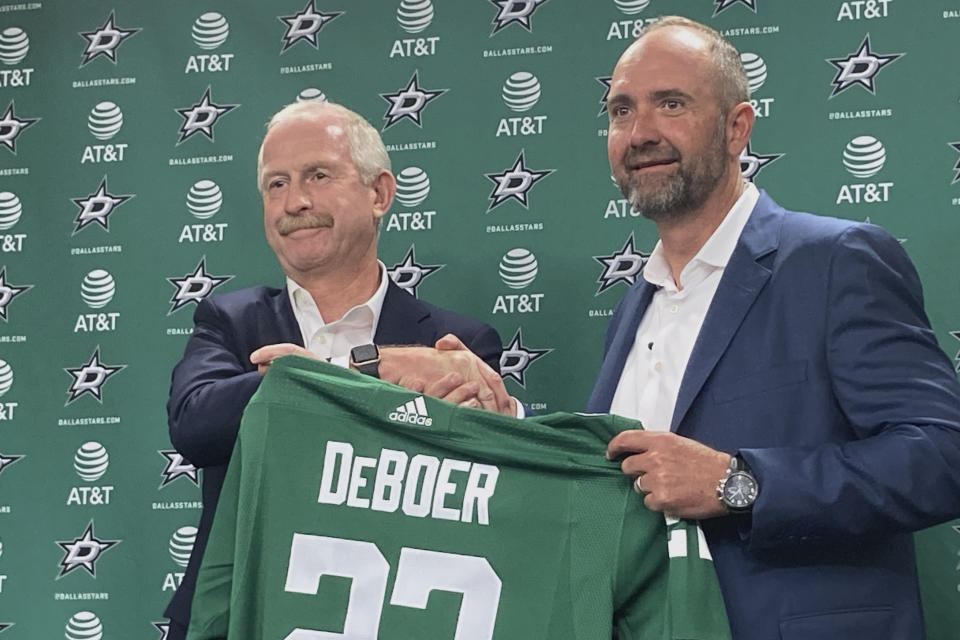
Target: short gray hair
731 79
366 147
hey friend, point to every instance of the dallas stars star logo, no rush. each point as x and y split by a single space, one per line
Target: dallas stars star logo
516 358
900 240
5 625
623 265
515 183
6 461
97 207
11 127
956 334
860 67
305 25
726 4
956 167
409 274
510 11
606 93
408 102
194 287
8 292
176 467
104 41
163 628
751 163
83 552
90 377
201 117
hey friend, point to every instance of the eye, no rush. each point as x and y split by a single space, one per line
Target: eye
319 175
619 111
274 184
672 104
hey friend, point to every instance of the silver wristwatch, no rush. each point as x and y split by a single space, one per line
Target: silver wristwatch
738 489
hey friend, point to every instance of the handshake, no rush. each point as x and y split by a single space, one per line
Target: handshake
448 370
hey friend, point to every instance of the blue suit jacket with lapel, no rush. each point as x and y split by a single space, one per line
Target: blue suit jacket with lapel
215 379
817 363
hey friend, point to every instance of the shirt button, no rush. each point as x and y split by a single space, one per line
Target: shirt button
657 367
674 308
320 340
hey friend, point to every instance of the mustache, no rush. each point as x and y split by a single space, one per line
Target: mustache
635 158
288 224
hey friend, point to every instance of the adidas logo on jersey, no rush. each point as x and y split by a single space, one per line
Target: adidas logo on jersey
412 412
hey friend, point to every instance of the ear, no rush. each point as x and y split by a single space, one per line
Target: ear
384 188
739 127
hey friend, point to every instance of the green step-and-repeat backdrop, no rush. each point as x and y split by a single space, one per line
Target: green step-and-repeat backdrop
128 141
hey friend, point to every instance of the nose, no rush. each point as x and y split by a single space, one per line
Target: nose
297 199
644 130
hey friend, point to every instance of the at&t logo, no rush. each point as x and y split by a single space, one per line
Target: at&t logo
203 201
415 16
14 46
629 29
180 548
10 211
863 9
521 92
97 290
518 269
84 625
756 70
7 409
104 123
90 462
413 187
209 31
864 157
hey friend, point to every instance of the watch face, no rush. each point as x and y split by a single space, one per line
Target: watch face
740 490
365 353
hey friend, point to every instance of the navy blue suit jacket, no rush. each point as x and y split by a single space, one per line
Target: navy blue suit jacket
817 363
215 379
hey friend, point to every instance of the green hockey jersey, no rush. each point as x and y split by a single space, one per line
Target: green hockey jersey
354 509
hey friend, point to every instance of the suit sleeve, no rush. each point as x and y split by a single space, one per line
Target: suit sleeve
486 344
210 387
895 464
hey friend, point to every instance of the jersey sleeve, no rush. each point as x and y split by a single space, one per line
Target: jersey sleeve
210 612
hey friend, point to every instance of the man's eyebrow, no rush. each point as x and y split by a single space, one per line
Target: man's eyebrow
663 94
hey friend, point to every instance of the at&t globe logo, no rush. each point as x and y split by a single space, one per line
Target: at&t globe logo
415 16
84 625
6 377
210 31
91 461
14 45
181 545
10 210
204 199
311 93
413 188
631 7
864 157
98 289
105 120
521 91
518 268
756 70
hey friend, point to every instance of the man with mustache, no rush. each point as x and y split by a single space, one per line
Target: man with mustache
325 180
794 396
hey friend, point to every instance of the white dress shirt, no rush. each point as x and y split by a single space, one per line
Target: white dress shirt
334 340
651 377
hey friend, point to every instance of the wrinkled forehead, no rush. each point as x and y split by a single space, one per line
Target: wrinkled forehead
669 46
323 133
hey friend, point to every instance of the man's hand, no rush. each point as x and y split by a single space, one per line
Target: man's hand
450 372
263 356
677 475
